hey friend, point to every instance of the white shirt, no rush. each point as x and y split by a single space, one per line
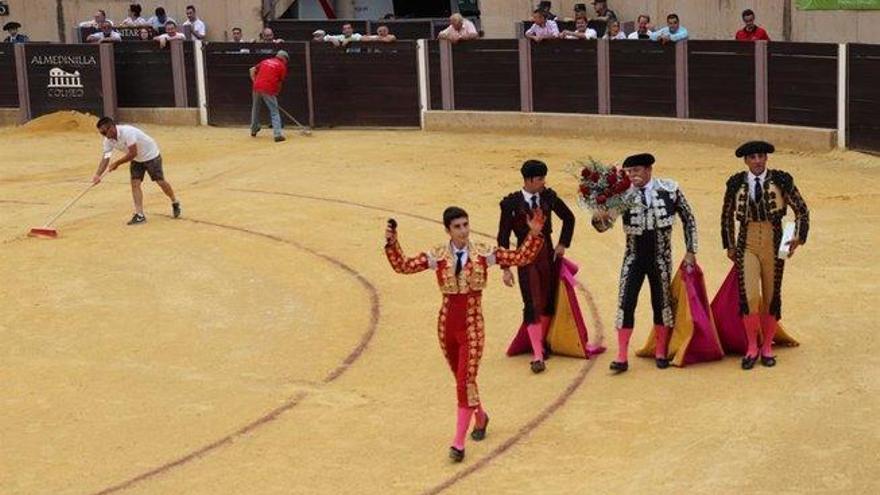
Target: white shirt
168 37
467 27
93 24
528 197
549 30
341 37
100 36
127 135
635 35
590 32
198 27
649 193
133 22
619 36
157 24
752 179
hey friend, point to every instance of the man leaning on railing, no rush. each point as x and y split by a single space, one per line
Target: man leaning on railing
542 28
672 33
460 29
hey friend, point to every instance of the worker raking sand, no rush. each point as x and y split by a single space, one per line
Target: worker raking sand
143 153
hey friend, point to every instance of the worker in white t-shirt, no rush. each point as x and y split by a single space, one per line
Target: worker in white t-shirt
143 153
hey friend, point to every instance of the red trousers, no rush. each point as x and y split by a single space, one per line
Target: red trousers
460 331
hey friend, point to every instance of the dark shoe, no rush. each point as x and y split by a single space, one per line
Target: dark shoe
619 367
456 455
662 363
175 209
279 139
768 361
137 219
538 367
480 433
254 133
748 362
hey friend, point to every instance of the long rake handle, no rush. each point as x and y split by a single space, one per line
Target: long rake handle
291 117
72 202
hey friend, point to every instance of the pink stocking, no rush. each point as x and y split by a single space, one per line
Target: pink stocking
661 337
461 427
536 337
753 326
770 325
623 336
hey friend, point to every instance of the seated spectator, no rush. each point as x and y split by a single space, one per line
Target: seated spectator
236 35
348 36
581 31
134 16
603 13
319 35
643 29
144 34
14 36
383 35
673 31
100 17
105 35
580 10
196 25
542 29
170 34
158 21
614 32
460 29
751 31
268 36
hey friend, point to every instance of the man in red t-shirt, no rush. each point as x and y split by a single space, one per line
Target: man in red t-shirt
751 31
268 76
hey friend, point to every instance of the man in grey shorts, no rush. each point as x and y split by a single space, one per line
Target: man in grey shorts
143 153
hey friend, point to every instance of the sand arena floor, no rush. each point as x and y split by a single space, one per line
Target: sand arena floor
262 345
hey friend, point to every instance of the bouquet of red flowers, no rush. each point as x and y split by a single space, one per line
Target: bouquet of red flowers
603 187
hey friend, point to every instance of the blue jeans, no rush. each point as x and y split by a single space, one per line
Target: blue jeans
272 103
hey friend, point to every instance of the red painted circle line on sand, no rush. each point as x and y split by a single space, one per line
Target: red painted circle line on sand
291 402
484 461
535 422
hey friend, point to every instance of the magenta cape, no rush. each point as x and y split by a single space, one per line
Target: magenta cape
567 334
728 320
694 338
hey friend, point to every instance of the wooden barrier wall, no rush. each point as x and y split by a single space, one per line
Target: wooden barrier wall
8 82
642 78
564 77
863 126
802 84
143 75
374 84
486 75
229 85
721 80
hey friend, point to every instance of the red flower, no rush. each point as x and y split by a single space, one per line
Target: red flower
595 177
586 173
585 190
626 181
612 179
601 199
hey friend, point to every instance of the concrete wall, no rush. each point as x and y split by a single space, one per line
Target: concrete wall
646 128
39 17
706 19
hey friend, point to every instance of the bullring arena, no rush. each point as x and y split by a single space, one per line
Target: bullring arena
262 344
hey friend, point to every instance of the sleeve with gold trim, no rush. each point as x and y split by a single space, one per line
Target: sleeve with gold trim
522 256
402 264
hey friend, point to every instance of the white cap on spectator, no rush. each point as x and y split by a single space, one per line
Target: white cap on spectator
319 32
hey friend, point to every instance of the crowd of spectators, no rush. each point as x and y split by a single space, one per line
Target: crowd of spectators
602 23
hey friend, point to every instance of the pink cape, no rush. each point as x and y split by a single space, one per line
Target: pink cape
567 333
728 320
694 338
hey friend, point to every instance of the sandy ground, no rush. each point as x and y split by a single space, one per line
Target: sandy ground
262 344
